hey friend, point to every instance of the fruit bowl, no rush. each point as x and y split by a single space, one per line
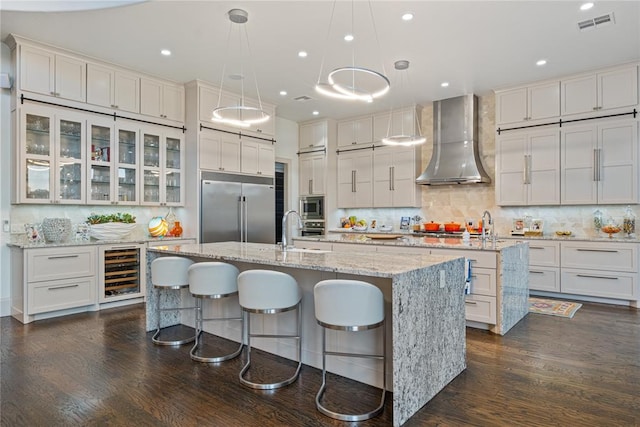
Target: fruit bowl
111 230
359 228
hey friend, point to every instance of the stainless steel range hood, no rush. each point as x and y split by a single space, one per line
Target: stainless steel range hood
456 156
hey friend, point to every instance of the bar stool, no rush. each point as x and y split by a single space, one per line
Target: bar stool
169 273
349 305
212 280
268 292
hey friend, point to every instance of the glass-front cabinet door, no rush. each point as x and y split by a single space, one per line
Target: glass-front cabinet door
127 156
162 177
100 141
52 157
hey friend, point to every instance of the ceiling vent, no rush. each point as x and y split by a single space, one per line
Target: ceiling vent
302 98
598 21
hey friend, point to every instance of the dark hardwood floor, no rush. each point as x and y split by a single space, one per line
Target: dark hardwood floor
100 369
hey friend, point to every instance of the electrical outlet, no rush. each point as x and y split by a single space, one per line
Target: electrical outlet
442 279
5 226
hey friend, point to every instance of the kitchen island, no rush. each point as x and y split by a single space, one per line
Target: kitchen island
498 276
424 306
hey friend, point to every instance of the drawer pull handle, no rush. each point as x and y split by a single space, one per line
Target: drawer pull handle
597 250
53 288
536 272
63 256
536 247
471 302
473 276
473 260
596 277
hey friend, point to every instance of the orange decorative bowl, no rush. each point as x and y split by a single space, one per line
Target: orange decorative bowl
611 229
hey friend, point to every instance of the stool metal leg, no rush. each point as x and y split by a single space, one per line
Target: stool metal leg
352 417
199 329
156 337
245 368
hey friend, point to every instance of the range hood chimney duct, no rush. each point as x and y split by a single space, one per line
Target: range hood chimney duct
456 155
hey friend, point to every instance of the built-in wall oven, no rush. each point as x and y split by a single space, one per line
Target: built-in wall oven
312 227
312 207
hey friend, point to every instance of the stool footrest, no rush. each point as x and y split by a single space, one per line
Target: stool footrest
348 417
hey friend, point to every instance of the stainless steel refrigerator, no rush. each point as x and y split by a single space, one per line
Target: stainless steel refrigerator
237 208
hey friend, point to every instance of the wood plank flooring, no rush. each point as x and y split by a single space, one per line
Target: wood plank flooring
100 369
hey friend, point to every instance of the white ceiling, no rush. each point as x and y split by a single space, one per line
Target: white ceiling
477 46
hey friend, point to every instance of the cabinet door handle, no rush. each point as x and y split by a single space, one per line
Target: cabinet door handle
119 248
525 173
613 251
53 288
353 181
470 302
310 186
62 256
390 179
393 178
596 277
536 272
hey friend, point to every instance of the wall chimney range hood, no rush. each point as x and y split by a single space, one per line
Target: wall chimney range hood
456 155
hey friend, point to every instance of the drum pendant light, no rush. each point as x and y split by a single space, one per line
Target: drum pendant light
405 137
352 82
240 115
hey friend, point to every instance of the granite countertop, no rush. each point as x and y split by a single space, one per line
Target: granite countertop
20 242
366 264
410 240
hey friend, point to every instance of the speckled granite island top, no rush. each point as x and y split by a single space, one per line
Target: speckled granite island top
388 265
424 311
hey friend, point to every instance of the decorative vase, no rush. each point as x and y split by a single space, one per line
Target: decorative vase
56 229
158 227
176 231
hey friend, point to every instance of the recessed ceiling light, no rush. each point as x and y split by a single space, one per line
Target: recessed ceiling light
283 92
541 62
348 37
315 113
586 6
165 52
302 54
407 16
444 84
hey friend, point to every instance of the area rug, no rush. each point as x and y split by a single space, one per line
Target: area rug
553 307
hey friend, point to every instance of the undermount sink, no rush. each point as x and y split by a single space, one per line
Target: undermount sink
308 250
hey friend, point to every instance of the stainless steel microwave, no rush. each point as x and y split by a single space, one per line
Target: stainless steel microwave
312 207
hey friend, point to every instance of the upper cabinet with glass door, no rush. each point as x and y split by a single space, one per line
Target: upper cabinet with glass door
113 171
162 175
51 157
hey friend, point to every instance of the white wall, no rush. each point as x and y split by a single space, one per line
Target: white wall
286 149
5 182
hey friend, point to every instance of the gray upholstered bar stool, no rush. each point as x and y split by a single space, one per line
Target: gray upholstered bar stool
268 292
212 280
349 305
169 273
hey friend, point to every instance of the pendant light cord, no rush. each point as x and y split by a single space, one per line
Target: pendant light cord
326 44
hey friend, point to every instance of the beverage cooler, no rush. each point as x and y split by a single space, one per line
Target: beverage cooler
122 272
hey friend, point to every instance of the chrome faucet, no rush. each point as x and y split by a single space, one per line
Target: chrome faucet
484 228
285 224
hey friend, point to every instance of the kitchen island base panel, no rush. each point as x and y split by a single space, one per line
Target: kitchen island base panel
513 295
427 328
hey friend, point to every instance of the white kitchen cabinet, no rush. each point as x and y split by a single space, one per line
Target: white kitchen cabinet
113 88
355 131
606 90
257 158
161 99
266 129
53 74
599 163
162 174
394 173
528 168
607 270
397 122
544 265
523 104
219 151
355 179
113 163
52 281
50 157
312 168
313 135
